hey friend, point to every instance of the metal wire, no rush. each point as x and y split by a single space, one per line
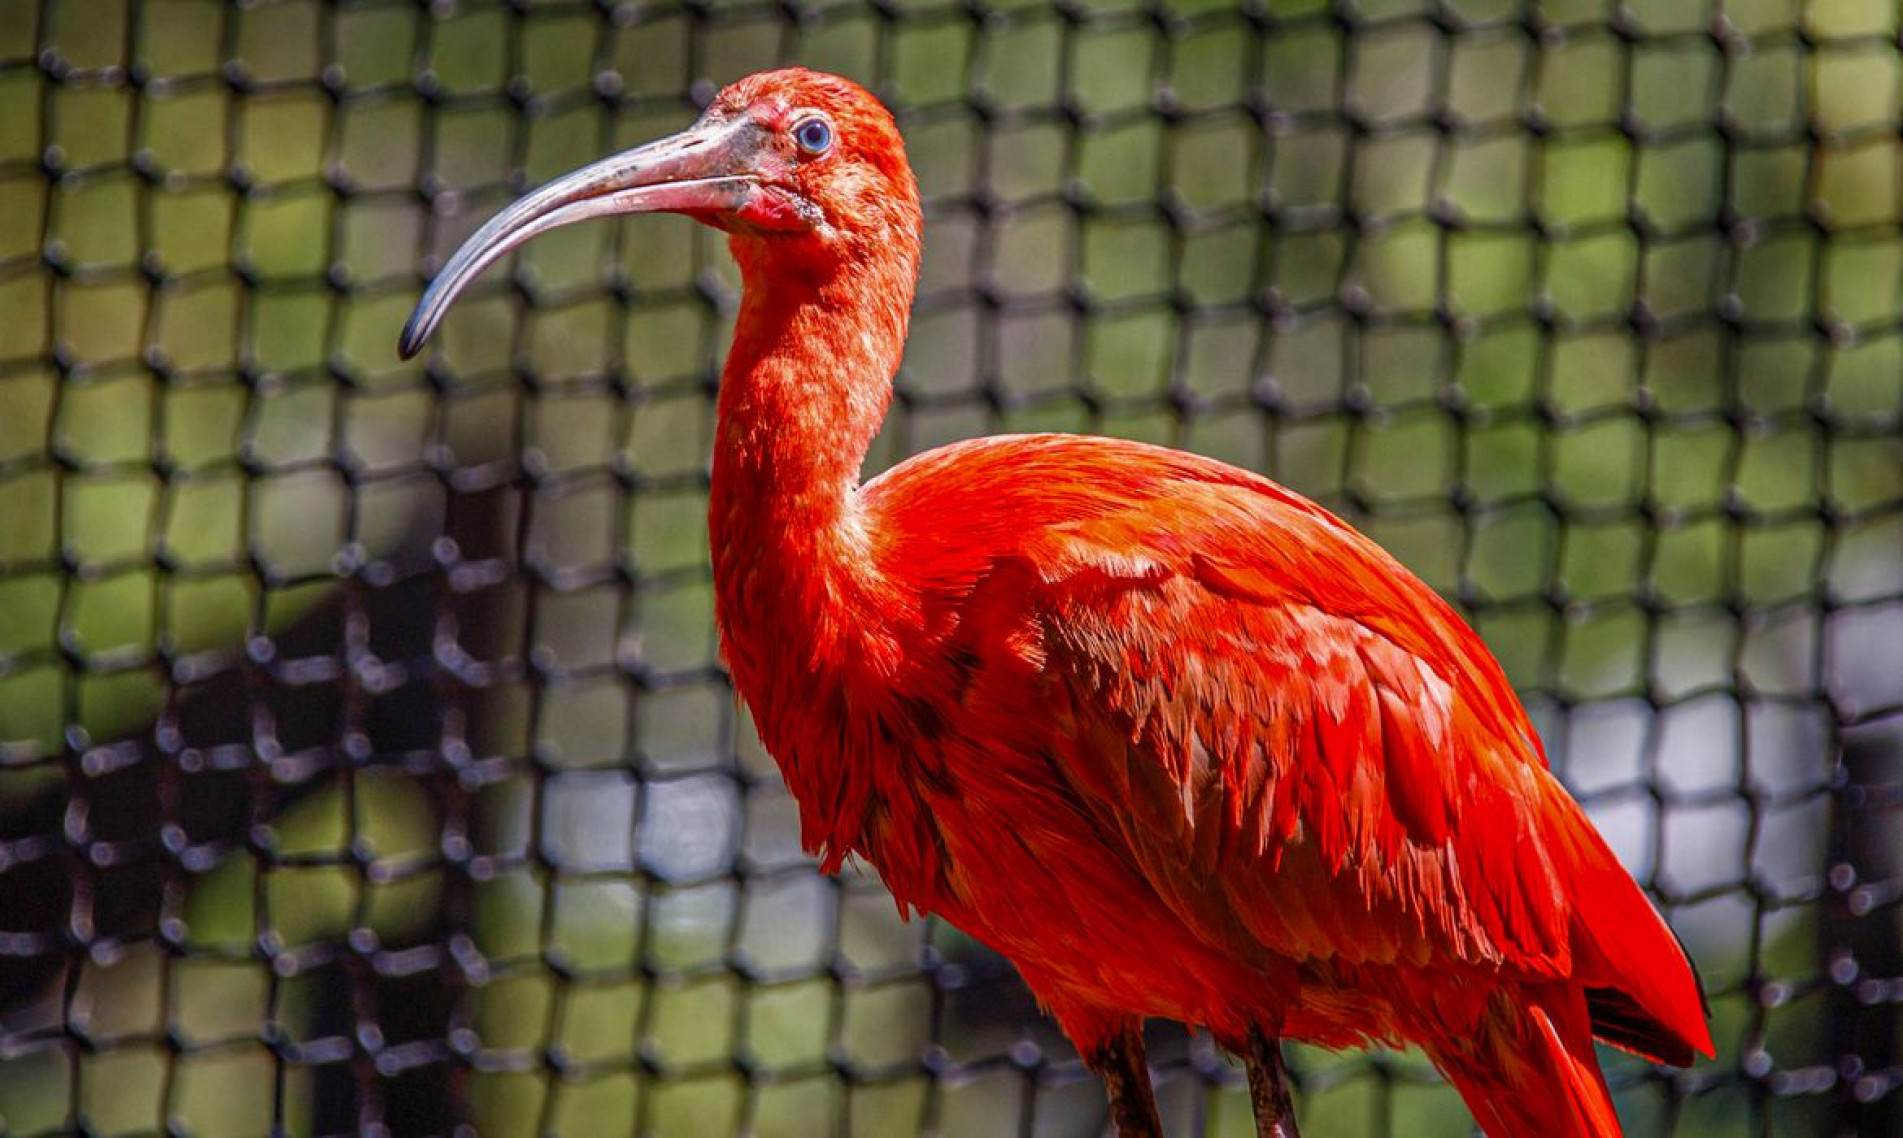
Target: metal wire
365 762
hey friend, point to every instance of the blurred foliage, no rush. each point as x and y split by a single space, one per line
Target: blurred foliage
1591 318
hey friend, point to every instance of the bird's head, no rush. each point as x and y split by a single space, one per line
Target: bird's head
805 170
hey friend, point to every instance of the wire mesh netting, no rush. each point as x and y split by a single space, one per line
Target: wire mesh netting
365 760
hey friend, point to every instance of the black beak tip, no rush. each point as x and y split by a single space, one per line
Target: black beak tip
410 341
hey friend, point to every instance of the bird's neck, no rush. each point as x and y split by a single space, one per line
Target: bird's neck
810 624
804 392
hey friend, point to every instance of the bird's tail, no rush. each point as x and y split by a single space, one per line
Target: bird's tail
1530 1071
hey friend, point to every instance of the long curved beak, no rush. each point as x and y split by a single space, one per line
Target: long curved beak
704 170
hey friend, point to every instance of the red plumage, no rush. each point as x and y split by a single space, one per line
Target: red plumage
1175 740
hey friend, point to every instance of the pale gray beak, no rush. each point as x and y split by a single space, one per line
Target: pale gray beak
704 171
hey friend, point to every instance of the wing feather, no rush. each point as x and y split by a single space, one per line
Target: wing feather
1277 725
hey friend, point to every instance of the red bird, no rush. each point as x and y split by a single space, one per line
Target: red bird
1172 738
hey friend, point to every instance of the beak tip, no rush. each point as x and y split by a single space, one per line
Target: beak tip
411 340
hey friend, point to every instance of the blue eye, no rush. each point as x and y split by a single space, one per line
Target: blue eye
815 136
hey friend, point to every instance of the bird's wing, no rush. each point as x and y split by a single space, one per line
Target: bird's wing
1238 708
1254 694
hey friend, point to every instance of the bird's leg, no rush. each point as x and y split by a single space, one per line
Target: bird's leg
1118 1060
1268 1087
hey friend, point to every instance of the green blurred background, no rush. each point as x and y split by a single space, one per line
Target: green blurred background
364 758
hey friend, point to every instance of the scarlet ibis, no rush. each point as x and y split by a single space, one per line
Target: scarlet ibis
1174 739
